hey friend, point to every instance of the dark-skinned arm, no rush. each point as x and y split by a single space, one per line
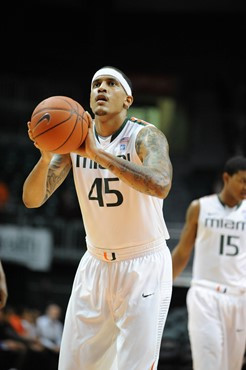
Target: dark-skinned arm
47 175
44 179
182 252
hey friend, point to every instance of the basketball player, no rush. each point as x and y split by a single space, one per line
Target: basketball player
122 289
3 288
216 301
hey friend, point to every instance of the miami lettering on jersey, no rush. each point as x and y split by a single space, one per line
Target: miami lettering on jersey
220 223
90 164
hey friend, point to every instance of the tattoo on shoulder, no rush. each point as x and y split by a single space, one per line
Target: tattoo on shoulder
151 140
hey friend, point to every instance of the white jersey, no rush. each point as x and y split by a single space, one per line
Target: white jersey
114 214
220 248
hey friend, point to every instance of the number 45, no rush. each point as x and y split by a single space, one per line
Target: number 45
97 190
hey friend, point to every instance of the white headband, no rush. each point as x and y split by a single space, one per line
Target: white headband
117 75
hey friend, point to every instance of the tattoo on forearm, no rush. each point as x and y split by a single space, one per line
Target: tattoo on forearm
55 176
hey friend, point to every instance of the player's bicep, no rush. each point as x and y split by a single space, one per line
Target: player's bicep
153 149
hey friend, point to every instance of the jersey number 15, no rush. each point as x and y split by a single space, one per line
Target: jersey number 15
229 245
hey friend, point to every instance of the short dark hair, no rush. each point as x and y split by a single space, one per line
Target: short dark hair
122 73
235 164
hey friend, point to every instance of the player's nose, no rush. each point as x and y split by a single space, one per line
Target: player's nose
103 86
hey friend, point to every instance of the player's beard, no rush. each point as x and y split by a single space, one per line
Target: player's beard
100 112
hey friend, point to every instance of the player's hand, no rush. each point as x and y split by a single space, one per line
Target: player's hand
47 156
89 147
30 133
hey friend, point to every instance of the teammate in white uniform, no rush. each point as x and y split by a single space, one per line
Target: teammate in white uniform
216 301
122 289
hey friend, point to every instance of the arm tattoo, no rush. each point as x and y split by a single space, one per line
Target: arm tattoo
153 149
58 171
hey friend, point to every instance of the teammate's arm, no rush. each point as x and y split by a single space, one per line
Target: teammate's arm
154 177
3 287
182 252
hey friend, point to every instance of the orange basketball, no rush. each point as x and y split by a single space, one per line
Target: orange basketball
59 124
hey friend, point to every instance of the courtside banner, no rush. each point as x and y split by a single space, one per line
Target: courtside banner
31 247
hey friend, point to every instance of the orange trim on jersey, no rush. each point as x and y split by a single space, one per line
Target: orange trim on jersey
139 120
152 367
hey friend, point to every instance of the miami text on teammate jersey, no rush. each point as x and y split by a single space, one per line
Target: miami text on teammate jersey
225 223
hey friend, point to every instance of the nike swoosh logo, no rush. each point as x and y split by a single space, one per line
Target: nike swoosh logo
45 116
147 295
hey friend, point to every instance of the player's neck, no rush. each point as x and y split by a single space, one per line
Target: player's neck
105 128
228 200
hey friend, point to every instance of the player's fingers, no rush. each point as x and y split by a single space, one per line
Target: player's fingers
29 131
36 145
31 135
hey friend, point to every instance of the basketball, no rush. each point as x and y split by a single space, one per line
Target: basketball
59 125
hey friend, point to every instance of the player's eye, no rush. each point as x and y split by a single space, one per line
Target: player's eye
112 83
96 84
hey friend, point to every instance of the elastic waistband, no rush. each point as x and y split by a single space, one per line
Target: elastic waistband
220 288
121 254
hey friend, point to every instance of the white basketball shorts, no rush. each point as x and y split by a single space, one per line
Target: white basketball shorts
216 323
117 309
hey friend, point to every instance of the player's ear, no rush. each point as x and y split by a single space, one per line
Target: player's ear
225 177
128 102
